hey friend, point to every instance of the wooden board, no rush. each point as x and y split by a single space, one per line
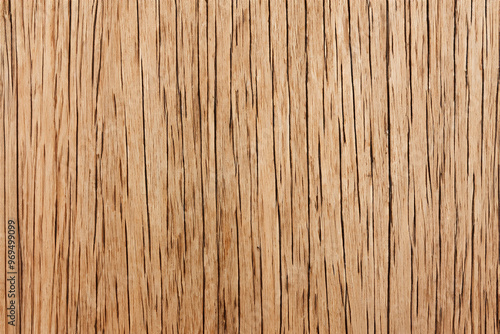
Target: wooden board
249 166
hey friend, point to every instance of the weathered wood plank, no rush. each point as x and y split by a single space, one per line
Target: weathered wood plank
250 166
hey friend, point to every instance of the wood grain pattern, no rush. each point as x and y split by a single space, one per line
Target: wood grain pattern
251 166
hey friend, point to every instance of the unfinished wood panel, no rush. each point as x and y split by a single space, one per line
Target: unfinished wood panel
249 166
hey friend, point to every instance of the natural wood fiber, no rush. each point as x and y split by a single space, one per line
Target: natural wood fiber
188 166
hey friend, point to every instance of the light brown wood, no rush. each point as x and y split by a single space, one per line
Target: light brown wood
250 166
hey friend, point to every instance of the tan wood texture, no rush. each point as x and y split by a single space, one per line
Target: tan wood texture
246 166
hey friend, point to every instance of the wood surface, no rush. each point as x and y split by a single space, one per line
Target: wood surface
250 166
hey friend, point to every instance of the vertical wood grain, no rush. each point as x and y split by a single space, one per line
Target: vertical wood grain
251 166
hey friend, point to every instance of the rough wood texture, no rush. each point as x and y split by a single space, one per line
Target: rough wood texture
251 166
